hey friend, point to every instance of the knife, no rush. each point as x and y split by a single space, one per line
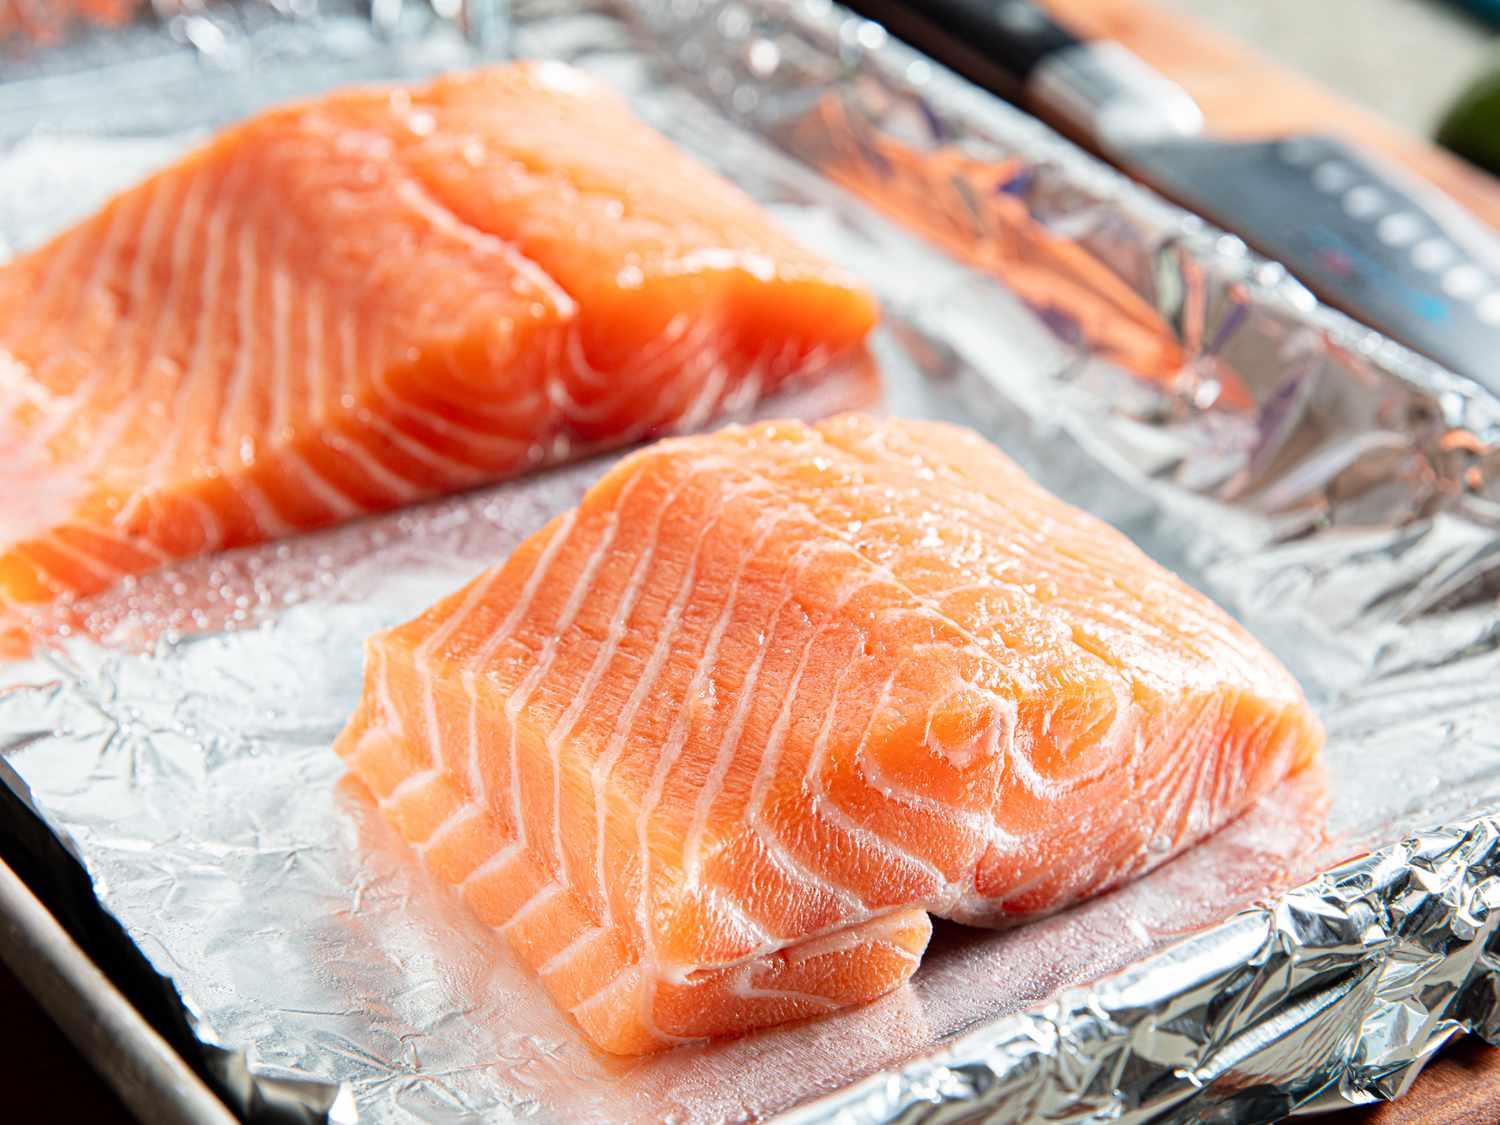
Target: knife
1367 237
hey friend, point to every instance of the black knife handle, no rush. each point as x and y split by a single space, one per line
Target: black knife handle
1015 35
997 43
1094 90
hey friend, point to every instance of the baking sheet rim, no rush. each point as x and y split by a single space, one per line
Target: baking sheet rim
83 1001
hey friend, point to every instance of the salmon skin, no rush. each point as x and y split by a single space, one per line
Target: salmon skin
375 297
709 749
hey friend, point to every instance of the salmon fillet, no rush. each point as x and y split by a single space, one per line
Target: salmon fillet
710 748
375 297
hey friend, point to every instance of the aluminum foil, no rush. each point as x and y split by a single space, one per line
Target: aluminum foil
1340 990
1334 491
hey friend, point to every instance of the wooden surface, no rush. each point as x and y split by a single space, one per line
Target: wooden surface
1242 93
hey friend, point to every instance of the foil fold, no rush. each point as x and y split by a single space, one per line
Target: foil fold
1335 491
1335 993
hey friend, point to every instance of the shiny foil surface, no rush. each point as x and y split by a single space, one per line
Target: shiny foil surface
1335 492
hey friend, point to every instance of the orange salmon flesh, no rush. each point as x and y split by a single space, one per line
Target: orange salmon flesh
709 749
375 297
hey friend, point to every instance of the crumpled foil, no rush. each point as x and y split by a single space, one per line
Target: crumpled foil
1336 992
1334 491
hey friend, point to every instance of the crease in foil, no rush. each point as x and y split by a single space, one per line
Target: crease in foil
1334 993
1334 491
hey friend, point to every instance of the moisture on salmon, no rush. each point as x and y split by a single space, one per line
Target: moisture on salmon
375 297
709 749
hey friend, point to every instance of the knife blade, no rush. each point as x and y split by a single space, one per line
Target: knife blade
1368 238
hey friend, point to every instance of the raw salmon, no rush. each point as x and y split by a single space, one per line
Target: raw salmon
374 297
710 748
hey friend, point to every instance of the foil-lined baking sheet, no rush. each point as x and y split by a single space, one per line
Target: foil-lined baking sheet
1334 491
